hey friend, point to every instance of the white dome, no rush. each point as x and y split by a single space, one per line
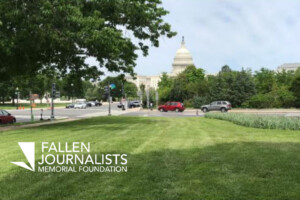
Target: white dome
183 58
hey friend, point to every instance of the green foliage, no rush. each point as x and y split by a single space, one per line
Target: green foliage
264 89
43 34
264 80
295 87
130 90
165 87
200 101
258 121
277 98
189 83
260 101
234 86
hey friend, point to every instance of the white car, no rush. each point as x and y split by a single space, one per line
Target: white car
80 105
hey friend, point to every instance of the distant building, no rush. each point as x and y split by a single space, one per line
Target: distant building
182 59
288 67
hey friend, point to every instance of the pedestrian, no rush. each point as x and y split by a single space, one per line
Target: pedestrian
151 106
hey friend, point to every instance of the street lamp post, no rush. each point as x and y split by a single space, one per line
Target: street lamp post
17 90
72 85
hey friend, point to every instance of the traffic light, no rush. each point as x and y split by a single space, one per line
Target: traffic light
53 90
106 92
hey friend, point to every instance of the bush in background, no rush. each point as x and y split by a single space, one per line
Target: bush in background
200 101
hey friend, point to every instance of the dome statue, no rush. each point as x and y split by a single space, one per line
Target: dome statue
183 58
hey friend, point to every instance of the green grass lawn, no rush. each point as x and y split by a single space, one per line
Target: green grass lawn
168 159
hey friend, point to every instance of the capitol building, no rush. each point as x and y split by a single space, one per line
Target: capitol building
182 59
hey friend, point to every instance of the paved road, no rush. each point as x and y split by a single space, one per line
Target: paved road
61 113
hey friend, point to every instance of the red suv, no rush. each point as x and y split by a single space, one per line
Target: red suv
6 117
171 106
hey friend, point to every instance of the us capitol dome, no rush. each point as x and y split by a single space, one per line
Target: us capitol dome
182 59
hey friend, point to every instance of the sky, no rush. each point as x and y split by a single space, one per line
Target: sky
240 33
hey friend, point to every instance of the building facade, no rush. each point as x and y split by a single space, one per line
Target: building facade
182 59
288 67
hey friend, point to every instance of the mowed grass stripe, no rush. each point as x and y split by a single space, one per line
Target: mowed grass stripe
168 158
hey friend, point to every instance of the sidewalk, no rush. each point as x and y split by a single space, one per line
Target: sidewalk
46 122
49 122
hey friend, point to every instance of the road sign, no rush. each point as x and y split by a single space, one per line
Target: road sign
34 96
57 94
112 86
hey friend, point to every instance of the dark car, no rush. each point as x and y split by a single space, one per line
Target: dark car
97 103
88 104
172 106
6 117
120 105
70 106
222 106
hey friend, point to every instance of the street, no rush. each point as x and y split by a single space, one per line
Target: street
63 113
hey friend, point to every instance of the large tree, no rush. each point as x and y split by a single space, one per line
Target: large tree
61 34
295 87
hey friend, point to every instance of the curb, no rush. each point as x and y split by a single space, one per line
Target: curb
9 128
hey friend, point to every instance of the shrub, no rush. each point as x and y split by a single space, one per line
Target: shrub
199 101
188 103
261 101
258 121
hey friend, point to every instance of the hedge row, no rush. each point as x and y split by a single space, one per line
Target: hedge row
259 121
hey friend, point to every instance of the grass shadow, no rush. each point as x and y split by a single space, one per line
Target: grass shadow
239 171
103 123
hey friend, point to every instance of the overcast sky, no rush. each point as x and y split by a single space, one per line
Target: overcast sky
240 33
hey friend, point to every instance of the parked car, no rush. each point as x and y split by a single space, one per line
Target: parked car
88 104
80 105
97 103
6 117
134 104
172 106
70 106
222 106
120 105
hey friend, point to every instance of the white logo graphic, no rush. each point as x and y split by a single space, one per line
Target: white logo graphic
29 151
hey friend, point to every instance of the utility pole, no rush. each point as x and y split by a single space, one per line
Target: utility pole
17 92
124 107
31 113
156 98
72 87
52 100
148 97
107 96
109 101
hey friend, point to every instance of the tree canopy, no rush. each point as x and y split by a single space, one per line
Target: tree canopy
61 34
